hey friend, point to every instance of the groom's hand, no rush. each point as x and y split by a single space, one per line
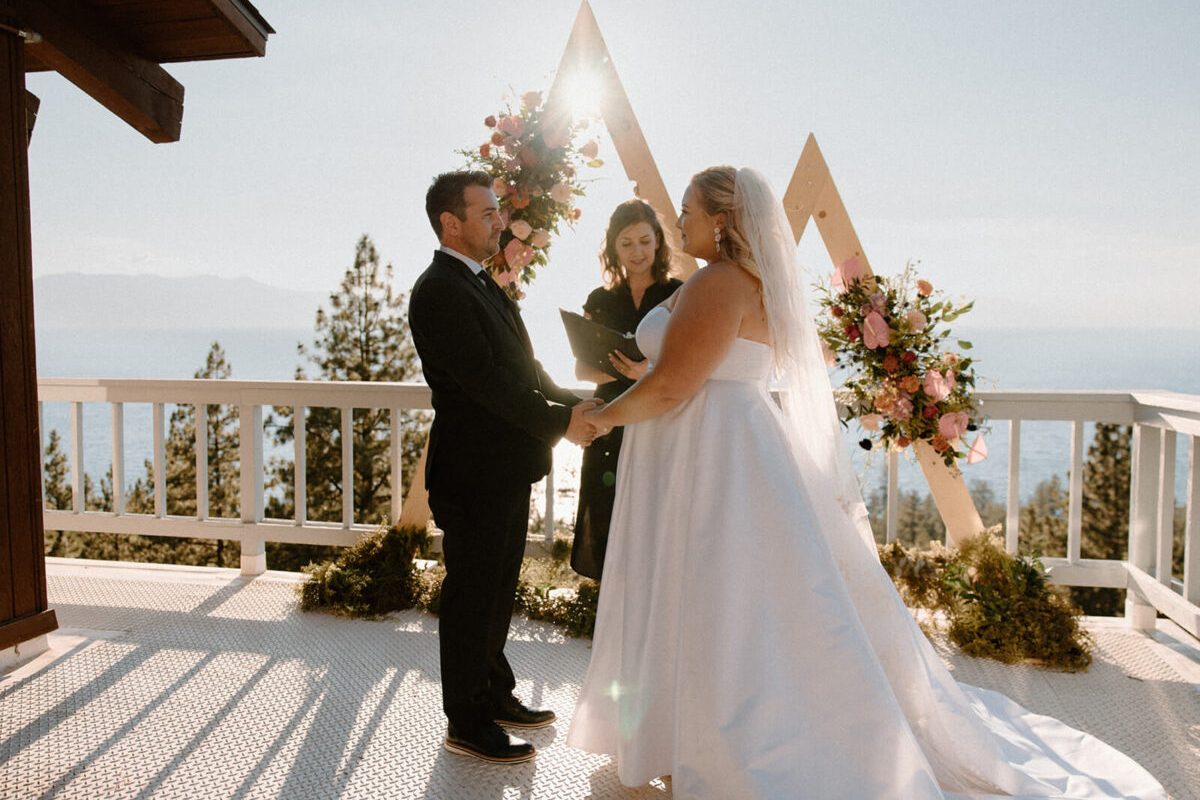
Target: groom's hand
580 431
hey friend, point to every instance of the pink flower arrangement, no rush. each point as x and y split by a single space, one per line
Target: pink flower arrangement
535 166
901 387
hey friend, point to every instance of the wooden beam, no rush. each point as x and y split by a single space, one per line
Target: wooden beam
32 103
23 608
80 45
586 52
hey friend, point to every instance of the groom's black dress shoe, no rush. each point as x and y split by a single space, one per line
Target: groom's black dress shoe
515 714
489 743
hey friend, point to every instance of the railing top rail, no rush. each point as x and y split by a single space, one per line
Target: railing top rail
356 394
1171 410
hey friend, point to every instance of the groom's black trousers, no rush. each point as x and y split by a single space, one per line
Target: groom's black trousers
483 544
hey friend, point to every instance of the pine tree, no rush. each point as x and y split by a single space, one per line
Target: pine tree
362 337
1105 518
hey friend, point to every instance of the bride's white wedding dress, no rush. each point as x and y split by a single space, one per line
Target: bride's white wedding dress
747 651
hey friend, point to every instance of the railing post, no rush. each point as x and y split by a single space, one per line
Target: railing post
1143 519
548 518
1191 531
1166 509
160 463
1012 524
77 477
254 550
396 462
300 464
347 468
893 495
118 458
201 414
1075 495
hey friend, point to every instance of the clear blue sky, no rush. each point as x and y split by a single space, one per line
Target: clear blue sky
1041 157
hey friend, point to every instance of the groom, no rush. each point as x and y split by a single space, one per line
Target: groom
496 416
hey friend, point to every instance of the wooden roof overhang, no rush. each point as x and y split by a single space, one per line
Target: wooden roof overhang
112 49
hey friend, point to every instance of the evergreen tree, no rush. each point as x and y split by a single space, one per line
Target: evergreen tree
1105 530
362 337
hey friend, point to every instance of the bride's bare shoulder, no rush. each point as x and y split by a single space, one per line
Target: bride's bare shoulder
723 279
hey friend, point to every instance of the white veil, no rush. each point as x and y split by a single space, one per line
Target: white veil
806 395
978 742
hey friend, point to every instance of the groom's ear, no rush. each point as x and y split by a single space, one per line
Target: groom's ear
450 224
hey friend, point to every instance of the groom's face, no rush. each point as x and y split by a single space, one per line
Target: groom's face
480 230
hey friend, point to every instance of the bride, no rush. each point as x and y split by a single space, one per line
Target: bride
748 643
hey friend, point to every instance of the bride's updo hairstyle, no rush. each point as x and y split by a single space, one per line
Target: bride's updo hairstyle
717 191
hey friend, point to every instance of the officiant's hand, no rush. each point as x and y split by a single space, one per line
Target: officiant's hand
581 431
634 370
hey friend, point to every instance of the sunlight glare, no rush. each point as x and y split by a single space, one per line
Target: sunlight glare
584 90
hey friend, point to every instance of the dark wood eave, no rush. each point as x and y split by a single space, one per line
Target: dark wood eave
169 31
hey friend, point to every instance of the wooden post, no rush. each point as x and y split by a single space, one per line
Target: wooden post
24 612
812 194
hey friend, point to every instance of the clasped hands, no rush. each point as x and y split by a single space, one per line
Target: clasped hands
584 425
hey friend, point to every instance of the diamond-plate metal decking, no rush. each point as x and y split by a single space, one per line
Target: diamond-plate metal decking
195 683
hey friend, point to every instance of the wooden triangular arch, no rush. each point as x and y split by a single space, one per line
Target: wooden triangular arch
811 194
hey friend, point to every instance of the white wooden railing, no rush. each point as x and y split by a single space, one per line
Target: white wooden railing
252 529
1159 418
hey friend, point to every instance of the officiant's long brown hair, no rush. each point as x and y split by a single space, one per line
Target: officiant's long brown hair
631 212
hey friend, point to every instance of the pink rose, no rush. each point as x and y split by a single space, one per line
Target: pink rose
561 192
521 229
870 421
875 331
903 409
485 149
500 187
517 254
847 273
590 150
507 277
939 385
497 137
924 288
531 100
951 359
490 120
978 451
916 320
878 302
512 125
576 212
953 425
540 238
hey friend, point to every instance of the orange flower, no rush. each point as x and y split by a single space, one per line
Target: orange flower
520 199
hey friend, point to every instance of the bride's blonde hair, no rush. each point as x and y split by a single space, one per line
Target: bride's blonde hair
717 190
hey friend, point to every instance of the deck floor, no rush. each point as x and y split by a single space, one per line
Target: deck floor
197 683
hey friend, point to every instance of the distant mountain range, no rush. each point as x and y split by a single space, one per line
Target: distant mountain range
153 302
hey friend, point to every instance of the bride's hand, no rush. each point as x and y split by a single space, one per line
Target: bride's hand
596 417
634 370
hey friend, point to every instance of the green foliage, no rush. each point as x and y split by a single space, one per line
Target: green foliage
997 605
374 576
574 611
362 337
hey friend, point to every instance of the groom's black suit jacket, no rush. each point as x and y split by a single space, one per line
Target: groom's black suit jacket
496 412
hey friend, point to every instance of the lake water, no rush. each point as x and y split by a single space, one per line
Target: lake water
1006 359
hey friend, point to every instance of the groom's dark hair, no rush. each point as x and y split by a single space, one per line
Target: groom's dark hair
446 194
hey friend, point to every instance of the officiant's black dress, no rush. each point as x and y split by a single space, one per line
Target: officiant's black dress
614 309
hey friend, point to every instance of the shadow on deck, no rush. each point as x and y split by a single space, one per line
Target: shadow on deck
197 683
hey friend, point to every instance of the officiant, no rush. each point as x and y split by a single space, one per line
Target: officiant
636 260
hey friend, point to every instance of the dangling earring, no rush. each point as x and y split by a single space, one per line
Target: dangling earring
717 238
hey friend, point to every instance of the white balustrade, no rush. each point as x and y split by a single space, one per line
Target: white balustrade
1158 418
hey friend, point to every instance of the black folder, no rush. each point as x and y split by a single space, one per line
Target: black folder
591 342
